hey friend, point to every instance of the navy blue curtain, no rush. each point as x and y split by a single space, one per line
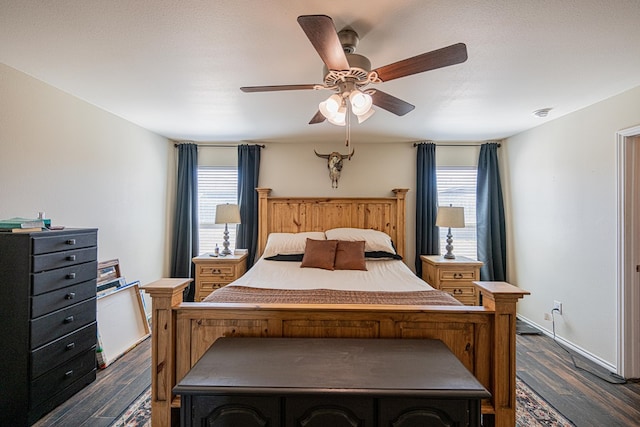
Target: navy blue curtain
248 172
427 234
185 226
492 249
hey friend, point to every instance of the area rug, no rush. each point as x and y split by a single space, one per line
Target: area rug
531 411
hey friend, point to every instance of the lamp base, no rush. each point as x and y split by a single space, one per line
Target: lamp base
449 247
225 242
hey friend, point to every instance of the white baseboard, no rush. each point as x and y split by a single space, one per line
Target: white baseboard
571 346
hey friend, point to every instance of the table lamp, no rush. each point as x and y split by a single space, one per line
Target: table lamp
451 217
227 214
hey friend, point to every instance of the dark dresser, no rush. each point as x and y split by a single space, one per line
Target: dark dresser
48 306
335 382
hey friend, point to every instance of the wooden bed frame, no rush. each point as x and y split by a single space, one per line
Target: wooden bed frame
482 337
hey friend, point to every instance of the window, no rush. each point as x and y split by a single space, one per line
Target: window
216 185
457 187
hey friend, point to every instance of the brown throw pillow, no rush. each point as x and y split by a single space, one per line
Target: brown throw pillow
350 256
319 254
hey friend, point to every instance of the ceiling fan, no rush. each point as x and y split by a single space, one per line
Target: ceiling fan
348 74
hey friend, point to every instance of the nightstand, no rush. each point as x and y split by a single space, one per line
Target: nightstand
454 276
216 272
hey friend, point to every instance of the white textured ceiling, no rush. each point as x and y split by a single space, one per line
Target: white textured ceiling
175 67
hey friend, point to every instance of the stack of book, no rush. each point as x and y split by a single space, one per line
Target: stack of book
23 225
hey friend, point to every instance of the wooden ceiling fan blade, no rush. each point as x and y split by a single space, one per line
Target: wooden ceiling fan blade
277 88
318 118
450 55
390 103
322 34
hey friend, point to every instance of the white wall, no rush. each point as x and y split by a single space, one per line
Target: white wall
560 181
84 167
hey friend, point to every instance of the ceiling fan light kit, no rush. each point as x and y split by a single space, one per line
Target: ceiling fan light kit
335 108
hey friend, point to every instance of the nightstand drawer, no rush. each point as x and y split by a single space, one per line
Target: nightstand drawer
208 287
466 275
459 291
221 271
465 294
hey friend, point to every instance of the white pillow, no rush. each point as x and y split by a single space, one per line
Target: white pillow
374 240
289 243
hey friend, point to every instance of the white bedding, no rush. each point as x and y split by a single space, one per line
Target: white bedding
381 275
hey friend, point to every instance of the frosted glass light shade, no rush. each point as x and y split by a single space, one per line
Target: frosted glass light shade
365 116
360 102
331 106
339 117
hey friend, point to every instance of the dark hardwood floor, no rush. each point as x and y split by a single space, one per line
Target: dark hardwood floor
582 398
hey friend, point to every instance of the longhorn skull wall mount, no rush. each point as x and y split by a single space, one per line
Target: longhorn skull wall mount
334 164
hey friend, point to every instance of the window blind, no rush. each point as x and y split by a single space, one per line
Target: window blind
457 187
217 185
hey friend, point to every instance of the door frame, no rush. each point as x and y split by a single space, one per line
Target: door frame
628 289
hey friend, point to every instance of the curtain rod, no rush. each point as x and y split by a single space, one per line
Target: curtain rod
415 144
218 145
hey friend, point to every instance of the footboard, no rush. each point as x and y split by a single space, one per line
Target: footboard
483 337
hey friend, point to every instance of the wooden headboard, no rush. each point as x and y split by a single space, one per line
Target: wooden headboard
298 214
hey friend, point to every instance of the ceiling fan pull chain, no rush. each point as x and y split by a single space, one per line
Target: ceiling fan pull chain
348 142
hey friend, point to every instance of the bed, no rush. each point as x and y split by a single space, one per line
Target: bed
481 337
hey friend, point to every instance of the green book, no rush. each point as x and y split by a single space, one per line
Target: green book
9 224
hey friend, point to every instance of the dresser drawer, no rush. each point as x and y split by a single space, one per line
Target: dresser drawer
61 322
61 298
62 376
62 277
222 272
459 274
64 242
63 349
63 259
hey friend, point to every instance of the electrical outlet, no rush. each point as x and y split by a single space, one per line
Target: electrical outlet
557 305
547 316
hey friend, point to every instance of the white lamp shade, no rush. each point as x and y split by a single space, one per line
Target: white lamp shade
450 216
227 214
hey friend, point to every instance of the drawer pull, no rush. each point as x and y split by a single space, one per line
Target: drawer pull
68 373
216 271
71 258
71 242
70 295
71 346
458 275
457 291
71 276
68 319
